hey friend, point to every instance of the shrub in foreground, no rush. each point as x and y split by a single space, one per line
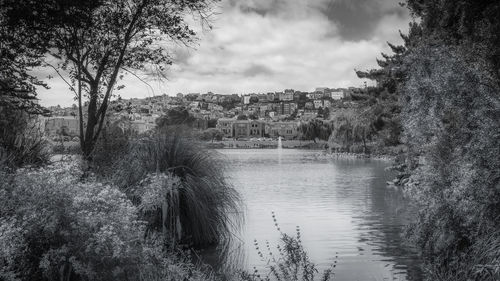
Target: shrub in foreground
53 226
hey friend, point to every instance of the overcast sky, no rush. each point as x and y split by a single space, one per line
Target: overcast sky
271 45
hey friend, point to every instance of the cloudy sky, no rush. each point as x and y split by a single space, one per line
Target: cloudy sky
271 45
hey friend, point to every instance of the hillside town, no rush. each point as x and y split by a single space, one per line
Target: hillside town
272 115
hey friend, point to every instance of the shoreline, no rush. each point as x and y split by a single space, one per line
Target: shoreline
321 147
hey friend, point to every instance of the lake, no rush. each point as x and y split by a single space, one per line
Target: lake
342 206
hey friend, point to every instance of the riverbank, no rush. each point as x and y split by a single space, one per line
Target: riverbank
340 155
267 144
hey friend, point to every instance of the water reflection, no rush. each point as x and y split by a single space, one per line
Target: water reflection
341 205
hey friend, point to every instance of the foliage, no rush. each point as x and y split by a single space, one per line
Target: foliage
451 122
20 51
290 263
351 128
175 116
113 145
212 123
56 227
315 129
208 204
98 42
383 100
21 141
242 117
446 79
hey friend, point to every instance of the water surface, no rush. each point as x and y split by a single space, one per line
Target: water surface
342 206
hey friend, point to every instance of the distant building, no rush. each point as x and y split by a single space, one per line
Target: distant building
318 103
337 95
286 96
62 125
316 95
226 127
321 89
309 105
248 129
286 108
286 130
142 126
246 99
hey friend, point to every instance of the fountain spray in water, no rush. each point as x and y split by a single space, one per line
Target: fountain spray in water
279 143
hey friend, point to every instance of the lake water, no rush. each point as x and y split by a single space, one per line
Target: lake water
342 206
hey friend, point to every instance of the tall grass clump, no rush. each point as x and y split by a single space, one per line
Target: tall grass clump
189 197
291 262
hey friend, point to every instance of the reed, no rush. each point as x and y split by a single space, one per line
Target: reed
290 262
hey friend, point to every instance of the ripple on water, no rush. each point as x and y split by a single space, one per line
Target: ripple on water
341 205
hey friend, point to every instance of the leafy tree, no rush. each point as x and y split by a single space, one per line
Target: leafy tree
212 123
451 121
326 113
242 117
98 42
20 51
446 80
352 127
175 116
315 129
383 100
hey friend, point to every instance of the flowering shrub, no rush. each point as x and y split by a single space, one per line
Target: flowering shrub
56 226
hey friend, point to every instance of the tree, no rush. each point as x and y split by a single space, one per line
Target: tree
315 129
253 116
212 123
326 113
175 116
447 81
98 42
242 117
20 51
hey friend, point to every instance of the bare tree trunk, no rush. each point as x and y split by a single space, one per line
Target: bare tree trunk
89 140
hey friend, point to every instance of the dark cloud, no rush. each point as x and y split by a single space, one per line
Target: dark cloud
357 19
257 69
260 7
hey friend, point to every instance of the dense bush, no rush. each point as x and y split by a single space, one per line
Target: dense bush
56 227
452 128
